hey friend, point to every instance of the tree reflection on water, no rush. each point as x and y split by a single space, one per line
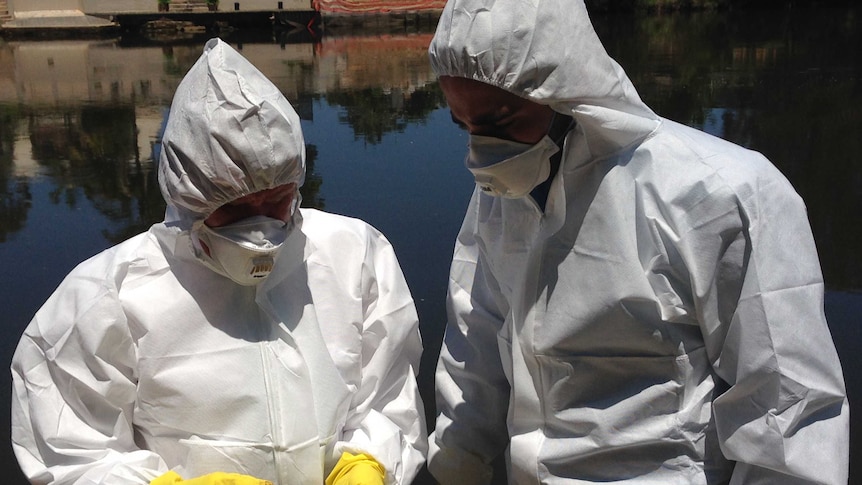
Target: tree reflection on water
14 192
373 112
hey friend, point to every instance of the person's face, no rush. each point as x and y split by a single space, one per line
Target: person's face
275 203
487 110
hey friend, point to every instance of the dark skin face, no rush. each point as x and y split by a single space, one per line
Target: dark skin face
275 203
487 110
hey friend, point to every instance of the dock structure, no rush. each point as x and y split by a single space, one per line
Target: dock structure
42 15
107 17
53 20
82 17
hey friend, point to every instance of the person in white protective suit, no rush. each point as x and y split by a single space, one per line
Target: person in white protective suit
242 340
630 300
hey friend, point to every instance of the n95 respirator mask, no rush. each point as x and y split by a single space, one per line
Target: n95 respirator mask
505 168
244 251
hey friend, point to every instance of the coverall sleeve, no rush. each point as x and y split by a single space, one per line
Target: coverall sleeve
472 387
74 389
387 418
785 417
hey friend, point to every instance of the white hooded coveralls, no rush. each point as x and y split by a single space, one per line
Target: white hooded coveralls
145 360
660 323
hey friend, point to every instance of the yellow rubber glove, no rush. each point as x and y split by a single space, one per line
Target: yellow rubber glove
218 478
358 469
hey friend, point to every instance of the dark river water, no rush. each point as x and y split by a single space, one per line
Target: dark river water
79 120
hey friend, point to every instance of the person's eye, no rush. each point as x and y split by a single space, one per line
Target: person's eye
507 121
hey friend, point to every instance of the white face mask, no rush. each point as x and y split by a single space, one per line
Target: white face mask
245 250
509 169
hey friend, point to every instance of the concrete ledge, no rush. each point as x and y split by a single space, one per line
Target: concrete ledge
73 22
48 13
56 22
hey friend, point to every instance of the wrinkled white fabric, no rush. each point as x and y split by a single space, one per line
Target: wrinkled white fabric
661 322
230 133
144 359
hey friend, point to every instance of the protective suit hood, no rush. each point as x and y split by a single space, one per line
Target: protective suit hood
546 51
230 133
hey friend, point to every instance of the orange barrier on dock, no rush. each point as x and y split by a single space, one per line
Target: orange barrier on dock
376 6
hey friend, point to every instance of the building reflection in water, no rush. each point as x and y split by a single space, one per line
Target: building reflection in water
89 112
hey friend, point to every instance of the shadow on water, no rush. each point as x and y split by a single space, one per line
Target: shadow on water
79 121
